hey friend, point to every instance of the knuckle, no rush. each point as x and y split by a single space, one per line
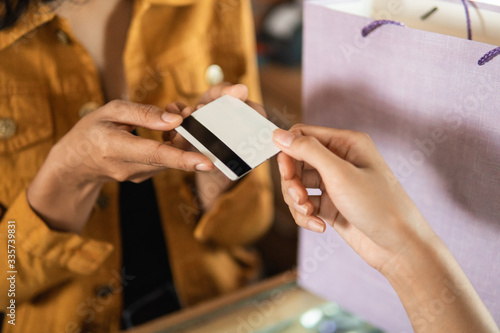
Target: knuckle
360 136
137 180
145 112
183 161
114 104
154 160
299 219
289 202
365 137
106 149
363 140
180 105
309 140
297 128
172 108
120 175
114 108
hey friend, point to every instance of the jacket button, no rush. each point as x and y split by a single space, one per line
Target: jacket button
86 108
63 37
8 128
214 75
104 291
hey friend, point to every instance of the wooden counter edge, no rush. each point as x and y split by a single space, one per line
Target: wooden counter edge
215 304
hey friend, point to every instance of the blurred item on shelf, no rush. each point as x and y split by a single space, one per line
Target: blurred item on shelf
279 31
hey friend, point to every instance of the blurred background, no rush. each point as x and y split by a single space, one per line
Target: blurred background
278 25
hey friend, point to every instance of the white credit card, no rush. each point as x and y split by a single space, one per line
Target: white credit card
235 137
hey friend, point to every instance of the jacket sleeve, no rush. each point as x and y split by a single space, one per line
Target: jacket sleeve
42 258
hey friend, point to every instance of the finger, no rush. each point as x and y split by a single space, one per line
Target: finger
352 234
213 93
355 147
310 222
186 112
173 108
302 213
135 149
316 202
179 142
147 116
176 107
325 208
140 172
289 167
310 178
286 166
295 191
180 105
170 136
239 91
312 151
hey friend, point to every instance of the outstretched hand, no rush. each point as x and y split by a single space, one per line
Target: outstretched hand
360 197
366 205
213 183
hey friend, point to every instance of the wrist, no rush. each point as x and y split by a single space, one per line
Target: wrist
435 291
63 209
61 198
66 165
424 271
416 257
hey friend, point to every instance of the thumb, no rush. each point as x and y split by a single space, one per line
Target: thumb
308 149
142 115
239 91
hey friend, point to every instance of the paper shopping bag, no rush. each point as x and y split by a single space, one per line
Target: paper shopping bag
434 114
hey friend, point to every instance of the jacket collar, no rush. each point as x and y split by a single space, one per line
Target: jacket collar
31 20
39 14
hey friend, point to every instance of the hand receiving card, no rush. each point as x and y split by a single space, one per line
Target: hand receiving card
235 137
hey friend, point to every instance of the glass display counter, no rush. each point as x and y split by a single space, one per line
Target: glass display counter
272 306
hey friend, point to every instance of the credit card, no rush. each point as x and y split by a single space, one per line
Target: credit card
235 137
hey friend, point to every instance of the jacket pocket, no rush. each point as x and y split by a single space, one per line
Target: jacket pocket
186 65
25 116
188 73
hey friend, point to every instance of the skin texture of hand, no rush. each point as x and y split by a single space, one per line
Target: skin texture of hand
365 204
348 169
213 183
100 148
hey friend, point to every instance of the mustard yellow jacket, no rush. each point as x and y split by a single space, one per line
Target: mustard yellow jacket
72 283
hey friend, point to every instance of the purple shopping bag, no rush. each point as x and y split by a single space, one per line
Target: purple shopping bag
434 114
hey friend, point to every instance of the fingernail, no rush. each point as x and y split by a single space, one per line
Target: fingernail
293 194
169 117
203 167
302 209
284 138
315 226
